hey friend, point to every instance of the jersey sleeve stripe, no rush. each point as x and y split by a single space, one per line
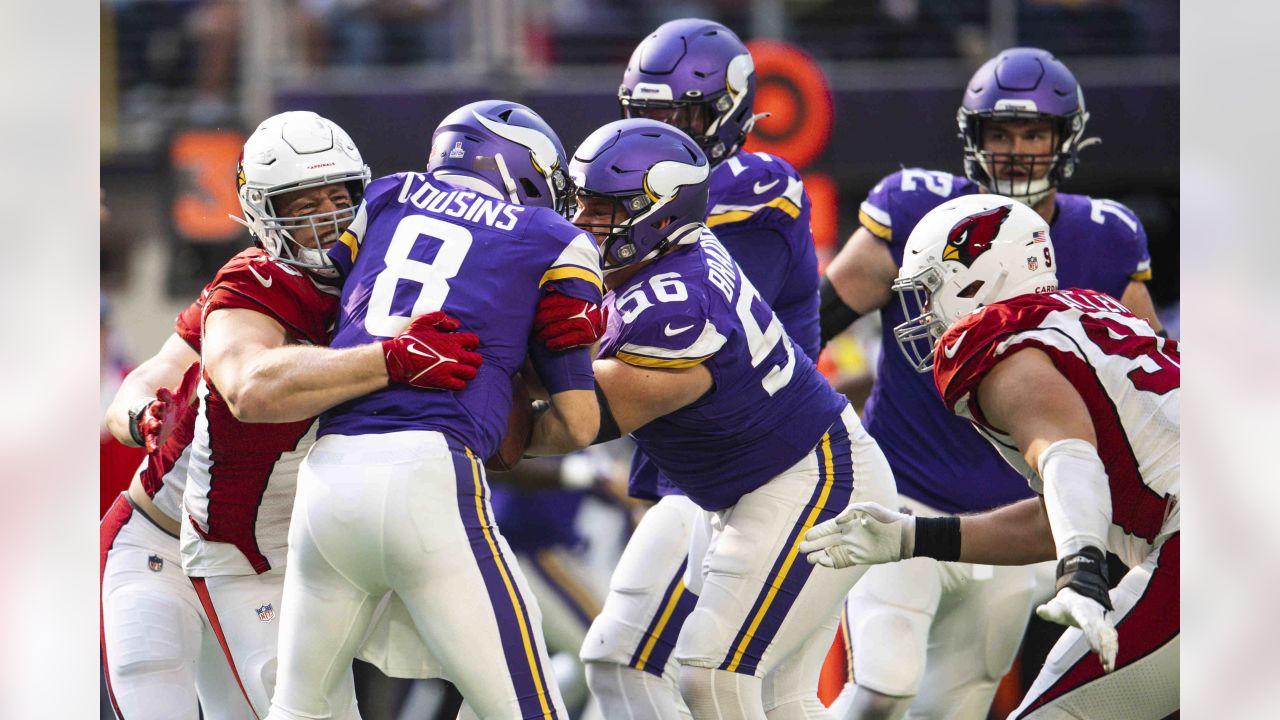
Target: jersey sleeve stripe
882 230
721 214
572 271
654 362
349 239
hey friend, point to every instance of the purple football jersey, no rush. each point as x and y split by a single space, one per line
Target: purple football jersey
936 457
536 519
419 244
759 211
768 405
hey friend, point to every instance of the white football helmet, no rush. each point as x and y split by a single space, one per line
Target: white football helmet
966 253
295 151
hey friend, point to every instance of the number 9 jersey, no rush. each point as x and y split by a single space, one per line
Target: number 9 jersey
768 406
420 244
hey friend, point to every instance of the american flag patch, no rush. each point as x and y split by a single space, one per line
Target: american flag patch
1040 236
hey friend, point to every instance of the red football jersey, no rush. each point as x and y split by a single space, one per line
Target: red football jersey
242 476
1128 377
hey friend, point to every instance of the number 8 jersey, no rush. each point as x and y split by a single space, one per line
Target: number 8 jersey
768 406
420 244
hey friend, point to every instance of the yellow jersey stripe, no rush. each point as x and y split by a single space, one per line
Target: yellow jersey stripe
791 555
511 590
782 203
571 271
662 624
1141 275
651 362
847 637
880 231
349 239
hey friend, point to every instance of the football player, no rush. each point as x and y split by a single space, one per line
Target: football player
938 637
162 656
697 75
266 374
393 496
696 367
1082 398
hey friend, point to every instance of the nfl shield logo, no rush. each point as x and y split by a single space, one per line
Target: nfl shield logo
1032 264
156 563
457 150
266 613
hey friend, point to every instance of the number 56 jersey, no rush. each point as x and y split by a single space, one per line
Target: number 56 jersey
768 405
420 244
1128 377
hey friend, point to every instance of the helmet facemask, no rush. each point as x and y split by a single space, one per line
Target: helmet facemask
618 249
1043 172
278 234
921 328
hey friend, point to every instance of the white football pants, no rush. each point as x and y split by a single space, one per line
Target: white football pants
407 512
163 660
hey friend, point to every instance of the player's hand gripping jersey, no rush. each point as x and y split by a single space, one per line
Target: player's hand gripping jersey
1128 377
242 476
430 246
696 306
1100 245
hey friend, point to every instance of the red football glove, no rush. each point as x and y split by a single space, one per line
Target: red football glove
152 423
429 355
563 322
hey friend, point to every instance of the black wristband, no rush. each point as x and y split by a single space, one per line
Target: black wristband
609 429
135 412
938 538
833 315
1086 573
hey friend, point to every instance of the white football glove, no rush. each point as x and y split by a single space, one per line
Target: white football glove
864 533
1072 609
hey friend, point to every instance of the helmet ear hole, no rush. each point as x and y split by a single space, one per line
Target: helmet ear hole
530 190
971 289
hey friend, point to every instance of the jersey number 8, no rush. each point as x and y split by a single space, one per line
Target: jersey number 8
434 276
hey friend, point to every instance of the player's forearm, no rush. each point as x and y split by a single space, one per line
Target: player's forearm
1016 534
296 382
164 369
569 422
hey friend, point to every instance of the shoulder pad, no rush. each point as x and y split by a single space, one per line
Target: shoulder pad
755 187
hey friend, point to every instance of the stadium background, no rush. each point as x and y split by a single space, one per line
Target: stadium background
857 89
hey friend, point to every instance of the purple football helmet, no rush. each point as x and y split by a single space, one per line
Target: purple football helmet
657 178
1023 84
509 147
698 76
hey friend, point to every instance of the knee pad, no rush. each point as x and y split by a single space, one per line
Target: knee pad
721 694
889 650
